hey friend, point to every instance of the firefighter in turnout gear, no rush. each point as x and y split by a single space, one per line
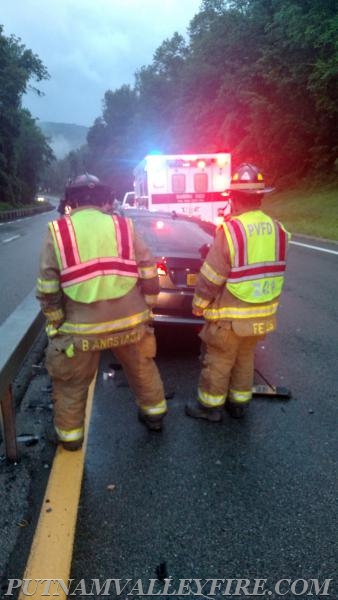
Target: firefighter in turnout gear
237 292
96 286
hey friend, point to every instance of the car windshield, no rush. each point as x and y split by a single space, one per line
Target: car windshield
175 234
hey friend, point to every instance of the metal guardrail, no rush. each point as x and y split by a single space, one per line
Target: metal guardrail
18 213
17 335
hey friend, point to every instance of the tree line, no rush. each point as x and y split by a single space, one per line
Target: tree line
24 151
258 78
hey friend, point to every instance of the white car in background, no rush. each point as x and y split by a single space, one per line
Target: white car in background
130 200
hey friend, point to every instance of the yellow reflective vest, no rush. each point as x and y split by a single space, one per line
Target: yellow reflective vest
257 247
98 267
243 274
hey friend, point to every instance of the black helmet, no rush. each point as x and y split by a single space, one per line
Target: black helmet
248 179
85 180
86 189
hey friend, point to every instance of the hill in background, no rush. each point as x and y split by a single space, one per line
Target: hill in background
64 137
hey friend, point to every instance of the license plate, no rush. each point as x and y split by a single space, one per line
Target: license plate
191 279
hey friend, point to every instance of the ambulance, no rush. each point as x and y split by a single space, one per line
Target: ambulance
193 184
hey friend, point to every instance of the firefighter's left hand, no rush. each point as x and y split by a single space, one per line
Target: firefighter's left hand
198 312
52 328
151 299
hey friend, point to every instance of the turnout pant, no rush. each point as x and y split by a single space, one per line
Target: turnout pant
72 376
227 365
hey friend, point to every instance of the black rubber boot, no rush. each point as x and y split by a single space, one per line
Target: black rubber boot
72 446
152 422
236 411
198 411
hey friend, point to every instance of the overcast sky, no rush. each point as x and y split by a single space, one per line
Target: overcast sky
90 46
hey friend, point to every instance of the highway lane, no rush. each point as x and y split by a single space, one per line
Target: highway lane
20 244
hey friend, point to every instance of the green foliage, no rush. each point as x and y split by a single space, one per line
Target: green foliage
23 150
56 175
33 154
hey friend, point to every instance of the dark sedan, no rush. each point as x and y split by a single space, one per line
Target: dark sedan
179 244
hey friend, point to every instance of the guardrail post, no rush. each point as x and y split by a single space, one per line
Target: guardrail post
8 425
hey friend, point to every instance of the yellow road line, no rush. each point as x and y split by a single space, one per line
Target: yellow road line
52 548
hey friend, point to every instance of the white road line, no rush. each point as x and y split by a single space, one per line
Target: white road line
315 247
14 237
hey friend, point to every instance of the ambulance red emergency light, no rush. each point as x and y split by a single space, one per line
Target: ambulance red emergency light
193 184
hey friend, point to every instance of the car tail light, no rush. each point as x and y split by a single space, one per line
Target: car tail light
159 224
162 268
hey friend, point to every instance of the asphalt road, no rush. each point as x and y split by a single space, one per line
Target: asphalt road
244 500
20 244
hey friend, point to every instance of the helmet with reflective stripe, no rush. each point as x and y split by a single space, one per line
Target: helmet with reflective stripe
86 189
248 179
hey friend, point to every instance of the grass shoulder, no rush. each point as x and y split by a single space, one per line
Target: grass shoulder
310 209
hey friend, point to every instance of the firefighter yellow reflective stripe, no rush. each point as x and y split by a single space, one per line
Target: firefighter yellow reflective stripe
239 312
240 397
106 327
147 272
55 243
69 435
158 409
210 400
249 186
200 302
48 286
51 331
212 275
